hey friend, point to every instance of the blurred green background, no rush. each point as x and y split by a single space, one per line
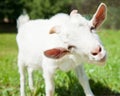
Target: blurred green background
104 81
11 9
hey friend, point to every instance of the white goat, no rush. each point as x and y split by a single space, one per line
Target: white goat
64 42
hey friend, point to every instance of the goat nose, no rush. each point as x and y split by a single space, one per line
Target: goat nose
96 51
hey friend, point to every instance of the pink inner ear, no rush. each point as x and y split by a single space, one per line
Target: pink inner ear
99 16
56 53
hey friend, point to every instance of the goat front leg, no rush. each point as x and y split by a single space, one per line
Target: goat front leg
83 80
30 78
48 74
49 83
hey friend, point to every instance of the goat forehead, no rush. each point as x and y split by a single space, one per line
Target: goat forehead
79 19
84 38
80 32
88 37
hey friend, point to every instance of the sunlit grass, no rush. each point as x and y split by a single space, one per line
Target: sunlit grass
105 81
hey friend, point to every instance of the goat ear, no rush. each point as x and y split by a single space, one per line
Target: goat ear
56 53
55 29
99 16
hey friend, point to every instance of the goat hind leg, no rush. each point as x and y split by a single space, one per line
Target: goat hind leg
22 78
30 78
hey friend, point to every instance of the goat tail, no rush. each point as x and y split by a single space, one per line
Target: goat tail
22 19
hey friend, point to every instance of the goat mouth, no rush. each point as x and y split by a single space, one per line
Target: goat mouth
103 59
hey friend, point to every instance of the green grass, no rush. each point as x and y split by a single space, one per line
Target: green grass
104 81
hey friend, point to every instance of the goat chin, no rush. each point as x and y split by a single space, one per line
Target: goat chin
101 62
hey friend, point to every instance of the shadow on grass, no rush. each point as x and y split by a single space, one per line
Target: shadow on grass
100 90
75 89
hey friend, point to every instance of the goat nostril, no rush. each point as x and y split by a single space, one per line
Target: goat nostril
96 51
100 49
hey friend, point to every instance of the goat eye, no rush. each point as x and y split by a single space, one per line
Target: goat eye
92 28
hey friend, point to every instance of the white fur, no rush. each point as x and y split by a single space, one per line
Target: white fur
33 39
22 19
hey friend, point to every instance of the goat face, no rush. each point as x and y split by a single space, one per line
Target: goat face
81 34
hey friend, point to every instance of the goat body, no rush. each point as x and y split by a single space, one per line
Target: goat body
43 46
